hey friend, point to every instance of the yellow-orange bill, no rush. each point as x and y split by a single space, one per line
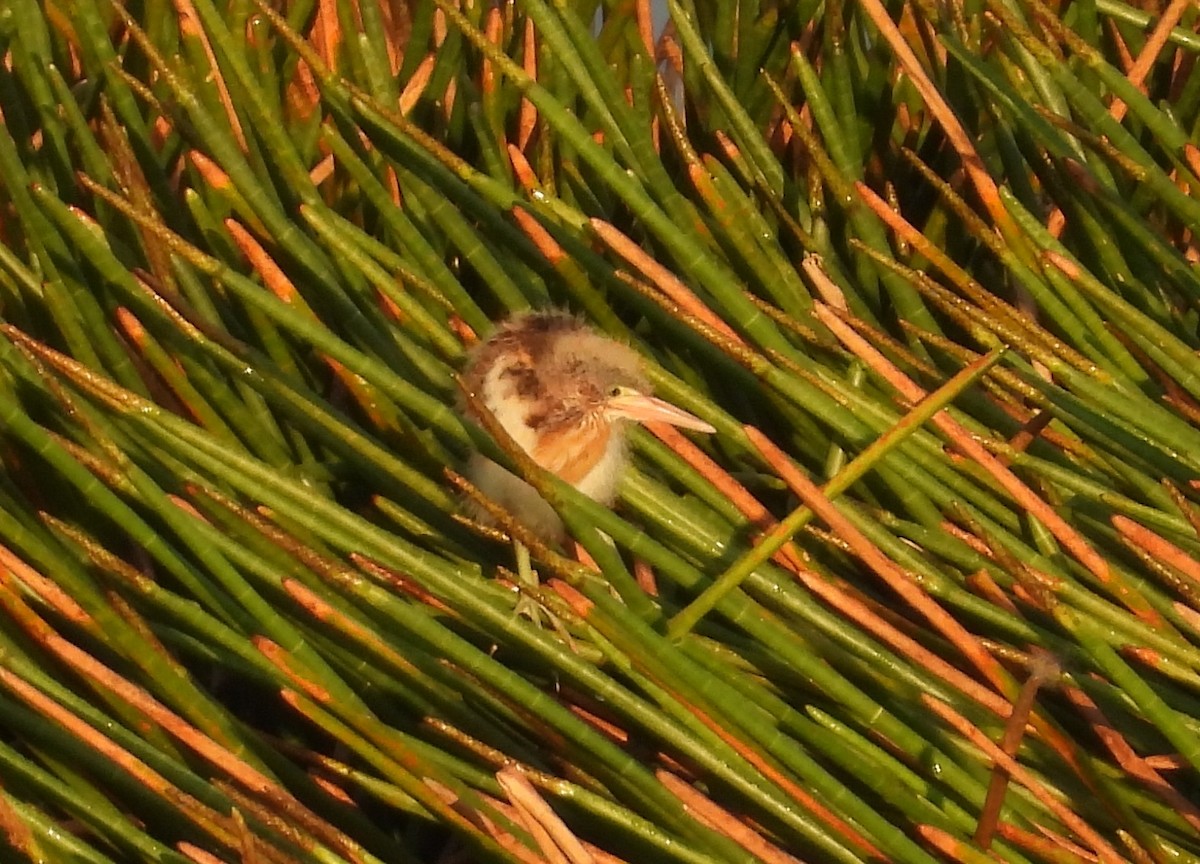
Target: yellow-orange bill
647 409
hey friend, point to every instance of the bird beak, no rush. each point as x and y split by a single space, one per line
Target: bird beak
646 409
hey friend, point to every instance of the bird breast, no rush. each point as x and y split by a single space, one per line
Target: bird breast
584 449
589 456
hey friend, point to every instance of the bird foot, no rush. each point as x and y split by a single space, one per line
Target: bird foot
529 605
534 609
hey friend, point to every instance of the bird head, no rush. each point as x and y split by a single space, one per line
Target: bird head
600 380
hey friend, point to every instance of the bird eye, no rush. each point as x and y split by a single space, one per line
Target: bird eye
615 392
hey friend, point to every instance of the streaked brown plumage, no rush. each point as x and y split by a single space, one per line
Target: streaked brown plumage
564 393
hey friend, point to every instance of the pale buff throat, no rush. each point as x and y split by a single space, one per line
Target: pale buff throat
565 394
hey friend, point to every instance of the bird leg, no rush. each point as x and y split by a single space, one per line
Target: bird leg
527 582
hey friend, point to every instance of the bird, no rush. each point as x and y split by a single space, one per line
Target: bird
566 395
